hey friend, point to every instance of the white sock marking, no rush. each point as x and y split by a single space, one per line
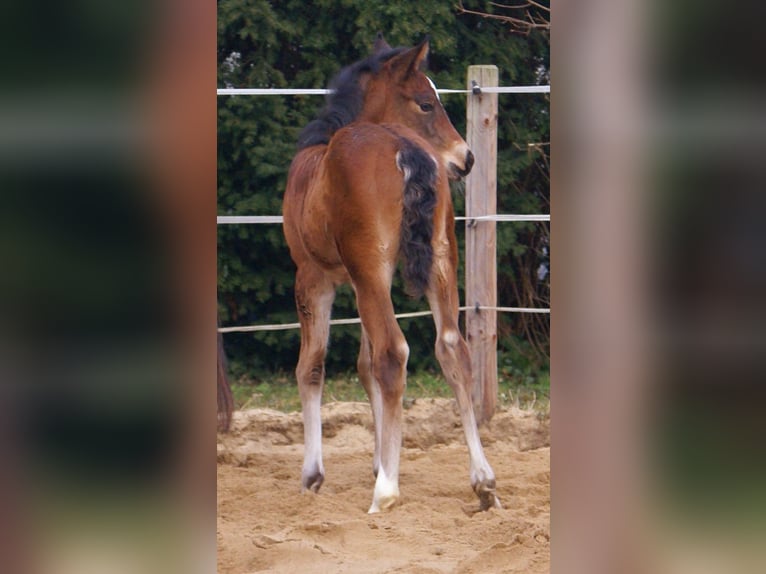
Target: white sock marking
386 492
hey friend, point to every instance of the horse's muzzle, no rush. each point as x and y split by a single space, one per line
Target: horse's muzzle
456 172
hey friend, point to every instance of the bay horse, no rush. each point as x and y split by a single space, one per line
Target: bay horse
367 188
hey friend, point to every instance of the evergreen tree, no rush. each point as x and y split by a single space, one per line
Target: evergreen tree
298 44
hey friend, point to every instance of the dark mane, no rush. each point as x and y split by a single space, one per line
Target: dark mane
345 103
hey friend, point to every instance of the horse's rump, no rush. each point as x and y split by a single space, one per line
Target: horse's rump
373 195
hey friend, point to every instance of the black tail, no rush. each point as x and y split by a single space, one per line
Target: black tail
418 215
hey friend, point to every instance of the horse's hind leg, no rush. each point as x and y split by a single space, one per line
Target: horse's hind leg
454 358
388 354
364 366
314 295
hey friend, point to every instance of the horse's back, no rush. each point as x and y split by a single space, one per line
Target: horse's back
361 164
344 202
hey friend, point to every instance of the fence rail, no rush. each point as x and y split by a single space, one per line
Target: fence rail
274 219
251 219
481 285
357 320
323 92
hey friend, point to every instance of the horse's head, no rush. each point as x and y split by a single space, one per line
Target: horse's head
401 93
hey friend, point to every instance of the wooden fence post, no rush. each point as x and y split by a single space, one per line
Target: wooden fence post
480 241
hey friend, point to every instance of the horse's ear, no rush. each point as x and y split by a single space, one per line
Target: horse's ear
380 44
412 60
421 59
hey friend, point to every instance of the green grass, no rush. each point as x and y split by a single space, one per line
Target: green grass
280 391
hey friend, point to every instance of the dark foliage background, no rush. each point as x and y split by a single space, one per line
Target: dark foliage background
302 45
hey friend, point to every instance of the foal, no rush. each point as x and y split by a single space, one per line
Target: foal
369 187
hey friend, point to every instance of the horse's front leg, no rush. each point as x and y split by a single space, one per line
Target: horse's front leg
454 358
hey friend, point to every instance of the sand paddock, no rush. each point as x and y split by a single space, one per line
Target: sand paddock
266 525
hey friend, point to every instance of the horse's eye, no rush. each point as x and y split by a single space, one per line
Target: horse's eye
426 107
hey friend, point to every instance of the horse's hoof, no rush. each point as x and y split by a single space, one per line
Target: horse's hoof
385 495
489 500
384 503
312 483
485 490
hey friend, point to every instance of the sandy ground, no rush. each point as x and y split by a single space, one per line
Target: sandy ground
266 525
